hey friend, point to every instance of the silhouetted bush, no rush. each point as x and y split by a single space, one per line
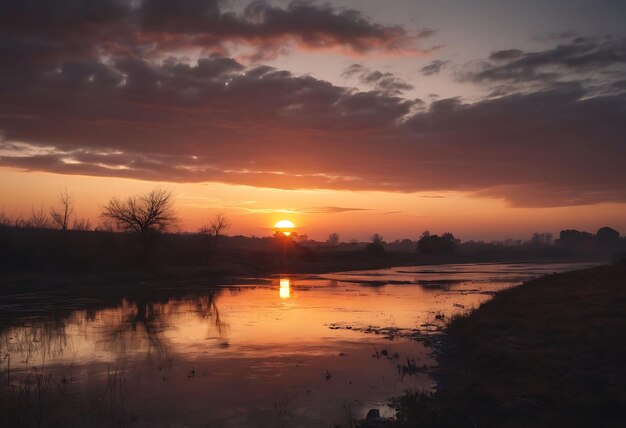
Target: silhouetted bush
608 237
437 245
376 247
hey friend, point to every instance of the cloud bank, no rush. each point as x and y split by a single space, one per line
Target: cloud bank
90 87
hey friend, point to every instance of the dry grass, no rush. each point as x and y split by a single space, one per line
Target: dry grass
551 352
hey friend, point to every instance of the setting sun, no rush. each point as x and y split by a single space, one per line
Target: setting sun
285 227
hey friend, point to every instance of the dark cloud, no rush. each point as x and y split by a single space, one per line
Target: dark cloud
91 90
619 86
386 83
506 55
267 127
596 62
36 28
434 67
559 35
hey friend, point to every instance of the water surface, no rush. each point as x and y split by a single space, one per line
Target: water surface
300 350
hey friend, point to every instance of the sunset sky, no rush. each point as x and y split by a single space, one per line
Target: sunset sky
489 119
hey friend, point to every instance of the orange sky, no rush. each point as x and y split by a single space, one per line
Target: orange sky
253 211
406 116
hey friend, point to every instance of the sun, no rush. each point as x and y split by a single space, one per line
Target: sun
284 226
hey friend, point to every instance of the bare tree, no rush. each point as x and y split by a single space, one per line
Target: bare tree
38 219
333 239
152 212
61 215
5 219
105 225
19 222
216 226
81 224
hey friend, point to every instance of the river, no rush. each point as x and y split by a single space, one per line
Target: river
292 351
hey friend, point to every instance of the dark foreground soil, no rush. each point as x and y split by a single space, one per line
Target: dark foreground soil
549 353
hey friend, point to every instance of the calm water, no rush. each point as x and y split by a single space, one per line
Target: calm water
297 351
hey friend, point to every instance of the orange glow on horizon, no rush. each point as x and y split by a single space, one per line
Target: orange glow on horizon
253 211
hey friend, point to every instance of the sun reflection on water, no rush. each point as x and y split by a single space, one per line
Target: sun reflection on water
284 290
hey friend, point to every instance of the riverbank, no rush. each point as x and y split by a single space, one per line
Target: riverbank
224 268
548 353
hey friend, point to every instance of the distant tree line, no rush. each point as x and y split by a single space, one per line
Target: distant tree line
445 244
145 219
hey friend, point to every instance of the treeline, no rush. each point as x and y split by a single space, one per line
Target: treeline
606 242
140 233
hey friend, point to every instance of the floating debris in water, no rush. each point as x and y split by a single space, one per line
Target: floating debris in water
390 333
411 368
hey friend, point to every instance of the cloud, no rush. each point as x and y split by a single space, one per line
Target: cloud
435 67
595 62
36 29
506 55
549 148
386 83
92 105
559 35
331 210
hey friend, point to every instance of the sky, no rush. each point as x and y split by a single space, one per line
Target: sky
489 119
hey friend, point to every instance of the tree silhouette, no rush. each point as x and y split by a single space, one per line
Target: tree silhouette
436 245
377 239
216 226
541 238
333 239
152 212
37 220
607 237
82 224
376 247
61 215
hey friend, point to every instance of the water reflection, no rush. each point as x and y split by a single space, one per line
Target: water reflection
234 356
284 290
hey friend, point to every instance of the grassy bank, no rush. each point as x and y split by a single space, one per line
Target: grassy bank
551 352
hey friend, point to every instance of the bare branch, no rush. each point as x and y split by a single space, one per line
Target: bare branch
216 226
152 212
37 220
6 219
61 216
81 224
